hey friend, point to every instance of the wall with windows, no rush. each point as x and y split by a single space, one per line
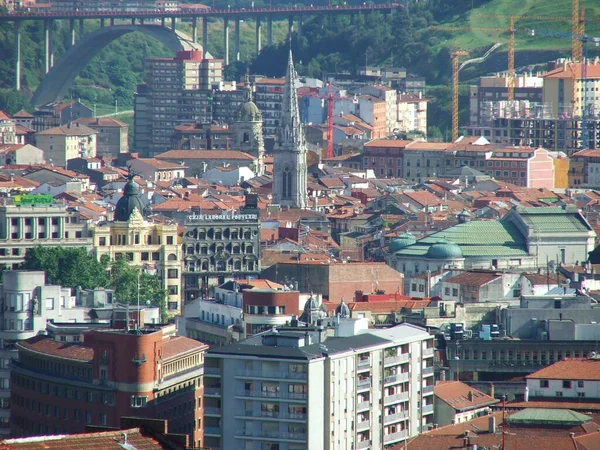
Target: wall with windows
564 388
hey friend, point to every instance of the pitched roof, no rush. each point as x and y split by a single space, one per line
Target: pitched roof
22 114
461 396
205 154
106 122
570 369
473 278
179 345
48 346
67 130
571 70
160 165
390 143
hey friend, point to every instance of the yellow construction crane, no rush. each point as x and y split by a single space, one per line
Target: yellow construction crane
456 55
511 49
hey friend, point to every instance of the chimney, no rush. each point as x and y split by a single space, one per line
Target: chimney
492 390
470 396
491 424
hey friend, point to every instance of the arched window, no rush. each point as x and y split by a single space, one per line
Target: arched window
172 257
287 183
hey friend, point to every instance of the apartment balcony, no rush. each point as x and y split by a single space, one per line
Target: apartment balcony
212 391
212 431
363 444
272 395
212 371
395 360
273 415
364 425
391 418
302 376
364 383
362 406
280 435
212 411
391 399
397 378
428 390
393 437
427 409
427 371
428 352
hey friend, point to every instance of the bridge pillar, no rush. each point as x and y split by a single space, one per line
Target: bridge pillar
133 21
226 40
102 22
195 29
258 35
173 21
290 25
163 22
299 26
18 55
205 34
141 21
112 22
270 30
47 44
72 37
237 38
80 28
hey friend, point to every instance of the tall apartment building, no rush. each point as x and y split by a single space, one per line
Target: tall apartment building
412 113
48 225
178 90
28 304
269 98
62 387
283 390
389 96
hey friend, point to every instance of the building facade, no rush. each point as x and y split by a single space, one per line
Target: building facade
285 390
60 144
112 137
61 388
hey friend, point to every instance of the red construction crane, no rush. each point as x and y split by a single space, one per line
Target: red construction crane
330 100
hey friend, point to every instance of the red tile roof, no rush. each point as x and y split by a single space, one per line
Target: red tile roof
48 346
74 130
102 440
461 396
179 345
570 69
570 369
473 278
391 143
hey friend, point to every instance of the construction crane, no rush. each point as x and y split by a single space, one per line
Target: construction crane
583 38
456 55
511 49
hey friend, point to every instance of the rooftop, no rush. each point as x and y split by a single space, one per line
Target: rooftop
461 396
570 369
204 154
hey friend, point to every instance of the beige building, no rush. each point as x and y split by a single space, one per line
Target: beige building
21 154
47 225
63 143
157 170
558 89
112 137
412 113
390 97
149 244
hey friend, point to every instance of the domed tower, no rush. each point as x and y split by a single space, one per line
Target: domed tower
130 201
404 240
342 311
464 216
444 250
248 129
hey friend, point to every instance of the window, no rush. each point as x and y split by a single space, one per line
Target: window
102 418
88 418
173 289
173 306
169 240
454 292
173 273
138 401
566 384
559 393
544 383
49 303
580 384
581 394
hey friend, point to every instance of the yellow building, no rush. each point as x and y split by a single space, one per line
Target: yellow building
561 172
145 243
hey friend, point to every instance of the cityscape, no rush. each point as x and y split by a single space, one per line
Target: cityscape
326 225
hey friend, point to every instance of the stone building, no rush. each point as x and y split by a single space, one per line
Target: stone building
219 247
199 161
112 137
60 144
144 242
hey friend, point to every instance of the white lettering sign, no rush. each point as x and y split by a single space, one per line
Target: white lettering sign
216 217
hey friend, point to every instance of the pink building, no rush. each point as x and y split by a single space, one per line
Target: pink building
522 166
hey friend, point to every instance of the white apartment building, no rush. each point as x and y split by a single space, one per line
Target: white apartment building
577 378
412 113
28 304
284 390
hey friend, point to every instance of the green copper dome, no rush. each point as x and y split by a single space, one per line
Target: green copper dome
404 240
131 200
444 249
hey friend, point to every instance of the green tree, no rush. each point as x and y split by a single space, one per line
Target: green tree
69 267
131 282
13 101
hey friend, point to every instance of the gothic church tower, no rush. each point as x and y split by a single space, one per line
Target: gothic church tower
289 165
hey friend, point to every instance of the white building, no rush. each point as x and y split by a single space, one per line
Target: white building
368 390
457 402
570 378
60 144
228 176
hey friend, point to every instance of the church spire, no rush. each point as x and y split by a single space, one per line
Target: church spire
291 131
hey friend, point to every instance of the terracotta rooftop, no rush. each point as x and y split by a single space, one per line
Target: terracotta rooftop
4 116
22 114
461 396
160 165
473 278
570 369
204 154
102 440
178 345
587 153
66 130
106 122
48 346
571 70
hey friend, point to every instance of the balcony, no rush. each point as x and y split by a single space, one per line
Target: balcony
302 376
390 399
212 411
363 406
363 444
427 409
428 371
212 431
212 391
365 383
428 389
427 352
282 435
272 395
397 378
275 415
212 371
391 418
364 425
393 437
364 363
394 360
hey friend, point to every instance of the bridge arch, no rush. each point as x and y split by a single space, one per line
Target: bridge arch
55 85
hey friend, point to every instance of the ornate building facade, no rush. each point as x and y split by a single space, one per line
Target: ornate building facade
289 165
